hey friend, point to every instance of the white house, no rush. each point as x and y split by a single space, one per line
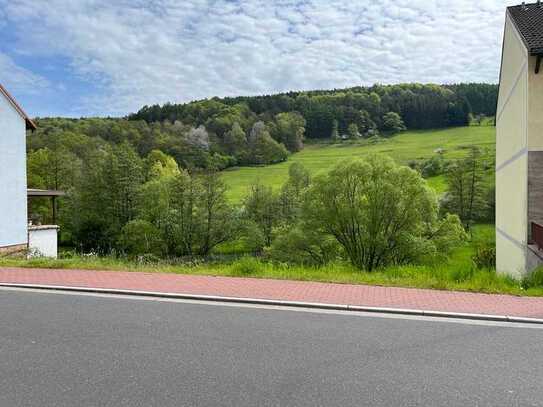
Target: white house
519 143
13 200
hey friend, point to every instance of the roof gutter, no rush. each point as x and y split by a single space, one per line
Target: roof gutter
30 125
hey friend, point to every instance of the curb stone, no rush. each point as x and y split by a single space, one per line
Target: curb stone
285 303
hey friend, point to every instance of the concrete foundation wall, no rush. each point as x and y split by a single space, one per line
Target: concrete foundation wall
42 241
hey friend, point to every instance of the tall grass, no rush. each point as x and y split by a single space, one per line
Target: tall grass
456 273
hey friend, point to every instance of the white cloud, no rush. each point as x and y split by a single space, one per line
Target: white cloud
144 52
19 79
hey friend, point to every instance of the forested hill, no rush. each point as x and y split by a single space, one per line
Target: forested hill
110 166
221 133
327 111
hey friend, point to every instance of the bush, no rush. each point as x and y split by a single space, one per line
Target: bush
246 266
299 246
433 166
148 259
252 238
535 279
140 237
485 257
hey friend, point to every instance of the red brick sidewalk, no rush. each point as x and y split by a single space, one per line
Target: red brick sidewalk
417 299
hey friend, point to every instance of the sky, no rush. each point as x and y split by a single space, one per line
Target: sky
111 57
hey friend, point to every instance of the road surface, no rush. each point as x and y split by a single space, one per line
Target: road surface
87 350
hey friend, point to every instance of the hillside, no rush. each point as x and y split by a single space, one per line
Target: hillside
110 166
408 146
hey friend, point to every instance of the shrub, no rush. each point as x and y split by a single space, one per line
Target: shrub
300 246
252 237
246 265
140 237
535 279
414 164
148 259
485 257
433 166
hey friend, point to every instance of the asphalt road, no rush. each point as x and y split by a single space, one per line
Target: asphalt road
75 350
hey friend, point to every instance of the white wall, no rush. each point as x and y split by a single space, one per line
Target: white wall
512 156
13 204
42 241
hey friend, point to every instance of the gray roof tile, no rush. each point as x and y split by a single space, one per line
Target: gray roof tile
528 19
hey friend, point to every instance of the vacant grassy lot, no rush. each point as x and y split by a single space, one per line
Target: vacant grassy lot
456 273
407 146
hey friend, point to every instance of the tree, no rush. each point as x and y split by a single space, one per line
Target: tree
215 214
155 207
291 196
92 222
335 132
393 123
124 176
262 207
353 131
199 138
140 237
158 164
57 169
466 188
376 210
184 197
290 130
235 142
190 211
264 149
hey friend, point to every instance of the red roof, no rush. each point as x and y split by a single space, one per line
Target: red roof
29 123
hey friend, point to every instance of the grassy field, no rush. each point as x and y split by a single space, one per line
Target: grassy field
457 273
407 146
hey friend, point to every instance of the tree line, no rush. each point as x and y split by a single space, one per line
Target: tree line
371 212
221 133
419 106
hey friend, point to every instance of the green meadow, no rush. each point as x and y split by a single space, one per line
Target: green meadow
411 145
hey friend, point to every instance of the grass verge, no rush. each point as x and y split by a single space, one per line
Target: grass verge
457 273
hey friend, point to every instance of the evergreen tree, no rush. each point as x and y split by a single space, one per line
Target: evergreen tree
335 132
466 189
353 131
235 142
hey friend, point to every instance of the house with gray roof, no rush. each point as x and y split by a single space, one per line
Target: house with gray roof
519 143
